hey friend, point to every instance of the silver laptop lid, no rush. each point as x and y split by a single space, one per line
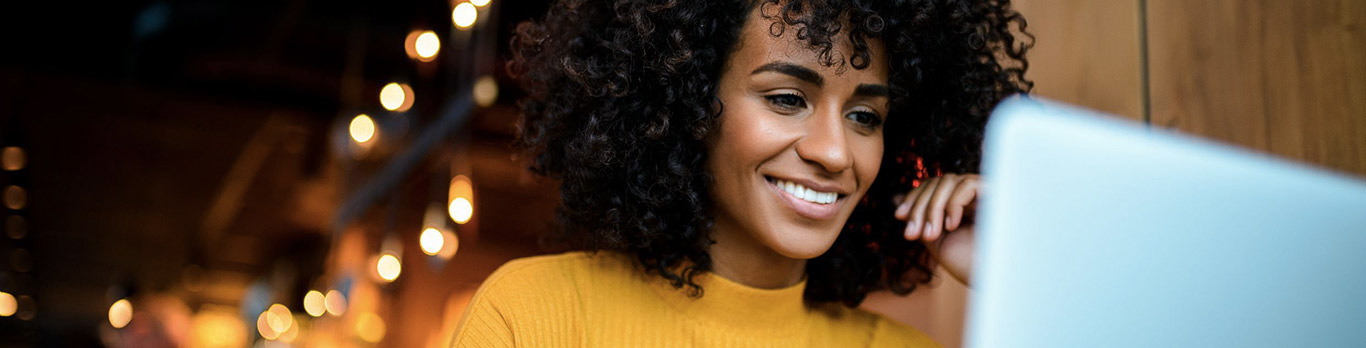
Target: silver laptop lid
1098 232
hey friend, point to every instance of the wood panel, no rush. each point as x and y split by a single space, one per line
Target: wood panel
1285 77
1086 53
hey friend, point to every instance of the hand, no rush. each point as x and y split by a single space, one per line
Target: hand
937 207
939 204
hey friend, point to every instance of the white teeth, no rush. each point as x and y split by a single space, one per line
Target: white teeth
806 194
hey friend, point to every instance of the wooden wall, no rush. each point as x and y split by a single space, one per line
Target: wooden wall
1283 77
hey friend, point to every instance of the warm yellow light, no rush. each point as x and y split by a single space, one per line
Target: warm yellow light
461 210
264 328
217 326
315 303
461 198
335 302
292 333
8 305
388 267
13 158
431 241
362 128
452 243
120 313
279 318
370 327
480 3
485 91
396 97
464 15
15 197
427 45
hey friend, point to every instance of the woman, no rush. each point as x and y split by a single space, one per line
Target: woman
729 168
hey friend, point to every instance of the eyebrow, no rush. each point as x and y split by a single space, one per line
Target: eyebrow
869 90
797 71
808 75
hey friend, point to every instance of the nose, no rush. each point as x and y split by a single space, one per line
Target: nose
825 143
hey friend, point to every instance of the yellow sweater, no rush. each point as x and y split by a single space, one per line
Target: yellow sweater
604 300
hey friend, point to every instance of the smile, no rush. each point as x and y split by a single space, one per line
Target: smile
812 204
804 193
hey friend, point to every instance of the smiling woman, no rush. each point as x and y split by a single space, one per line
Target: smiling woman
728 167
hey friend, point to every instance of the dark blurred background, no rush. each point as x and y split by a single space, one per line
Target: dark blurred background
197 159
212 173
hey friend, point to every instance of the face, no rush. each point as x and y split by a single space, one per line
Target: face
798 143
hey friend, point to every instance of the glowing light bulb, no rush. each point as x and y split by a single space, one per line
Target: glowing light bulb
388 267
315 303
362 128
396 97
480 3
8 305
431 241
427 45
485 91
120 313
464 15
335 302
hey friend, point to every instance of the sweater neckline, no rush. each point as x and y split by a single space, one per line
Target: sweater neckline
733 305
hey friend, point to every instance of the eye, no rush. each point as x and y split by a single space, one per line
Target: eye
788 101
866 119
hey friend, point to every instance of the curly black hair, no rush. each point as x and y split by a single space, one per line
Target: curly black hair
622 94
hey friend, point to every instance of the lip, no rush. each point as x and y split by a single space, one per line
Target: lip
808 209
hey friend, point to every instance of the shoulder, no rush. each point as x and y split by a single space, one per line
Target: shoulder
558 272
536 301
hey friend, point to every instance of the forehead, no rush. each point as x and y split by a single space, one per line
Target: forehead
758 45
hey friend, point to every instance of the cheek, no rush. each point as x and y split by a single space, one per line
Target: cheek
868 162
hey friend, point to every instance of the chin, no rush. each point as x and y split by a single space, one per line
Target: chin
804 242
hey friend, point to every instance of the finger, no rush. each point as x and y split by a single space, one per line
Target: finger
964 195
922 201
934 223
903 209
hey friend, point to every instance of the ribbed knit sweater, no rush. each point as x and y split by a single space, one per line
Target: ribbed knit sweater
604 300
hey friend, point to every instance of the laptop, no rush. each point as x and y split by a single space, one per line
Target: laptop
1095 231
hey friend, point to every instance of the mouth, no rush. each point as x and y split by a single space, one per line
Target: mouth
813 204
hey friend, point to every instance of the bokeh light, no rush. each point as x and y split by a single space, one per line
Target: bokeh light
450 246
335 302
8 305
263 326
461 210
280 318
388 267
485 91
315 303
480 3
16 227
362 128
370 327
15 197
427 45
431 241
461 199
120 313
396 97
464 15
13 158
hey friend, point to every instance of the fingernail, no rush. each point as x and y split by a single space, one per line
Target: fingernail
928 227
947 222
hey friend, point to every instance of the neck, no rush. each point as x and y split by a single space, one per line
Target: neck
737 256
